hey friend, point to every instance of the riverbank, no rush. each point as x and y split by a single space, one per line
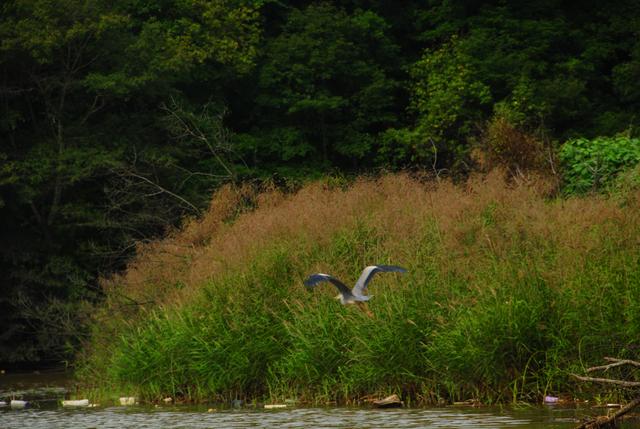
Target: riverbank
43 392
508 291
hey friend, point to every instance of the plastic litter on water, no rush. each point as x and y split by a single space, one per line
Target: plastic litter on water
17 404
75 403
128 400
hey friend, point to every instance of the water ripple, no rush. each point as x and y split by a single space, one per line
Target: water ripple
121 418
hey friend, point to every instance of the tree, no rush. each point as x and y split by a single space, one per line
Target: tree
324 88
448 99
85 144
555 67
559 64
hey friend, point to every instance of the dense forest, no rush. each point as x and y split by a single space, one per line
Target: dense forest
118 119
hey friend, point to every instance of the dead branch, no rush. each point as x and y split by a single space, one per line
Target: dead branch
629 361
435 160
161 190
616 362
608 380
217 140
609 421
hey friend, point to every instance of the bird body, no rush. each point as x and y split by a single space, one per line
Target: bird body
358 293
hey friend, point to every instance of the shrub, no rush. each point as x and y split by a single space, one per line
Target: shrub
507 292
590 164
448 98
508 145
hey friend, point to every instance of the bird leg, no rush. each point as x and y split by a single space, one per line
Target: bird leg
364 307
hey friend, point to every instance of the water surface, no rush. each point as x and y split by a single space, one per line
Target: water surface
121 417
45 391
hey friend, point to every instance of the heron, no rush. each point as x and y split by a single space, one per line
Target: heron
359 291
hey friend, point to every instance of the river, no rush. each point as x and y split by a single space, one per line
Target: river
45 390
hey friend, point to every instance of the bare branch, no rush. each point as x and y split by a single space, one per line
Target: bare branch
216 142
616 362
627 361
608 421
14 91
551 161
608 380
163 190
435 160
97 104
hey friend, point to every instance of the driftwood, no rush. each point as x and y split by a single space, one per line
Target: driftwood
616 362
392 401
610 421
622 383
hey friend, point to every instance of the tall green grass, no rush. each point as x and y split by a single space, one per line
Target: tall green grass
507 292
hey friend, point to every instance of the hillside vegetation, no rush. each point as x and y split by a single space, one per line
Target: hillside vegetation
120 117
508 290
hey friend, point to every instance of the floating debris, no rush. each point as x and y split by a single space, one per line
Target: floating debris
128 400
469 402
610 419
392 401
167 400
3 404
550 400
16 404
273 406
75 403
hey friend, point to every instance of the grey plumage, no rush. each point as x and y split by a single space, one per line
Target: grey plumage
358 293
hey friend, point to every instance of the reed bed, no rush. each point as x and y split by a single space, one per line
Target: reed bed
508 291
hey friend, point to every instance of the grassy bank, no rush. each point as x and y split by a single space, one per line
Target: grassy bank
507 292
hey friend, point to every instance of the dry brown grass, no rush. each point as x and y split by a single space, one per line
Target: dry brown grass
485 219
163 264
504 281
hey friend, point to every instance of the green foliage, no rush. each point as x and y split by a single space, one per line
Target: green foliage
626 183
591 164
448 99
90 159
324 87
483 312
86 170
549 64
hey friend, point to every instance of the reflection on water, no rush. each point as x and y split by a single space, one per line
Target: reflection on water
45 391
39 386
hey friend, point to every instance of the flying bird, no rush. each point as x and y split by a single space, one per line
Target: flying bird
358 293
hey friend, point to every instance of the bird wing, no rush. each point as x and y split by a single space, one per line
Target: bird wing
361 285
316 278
